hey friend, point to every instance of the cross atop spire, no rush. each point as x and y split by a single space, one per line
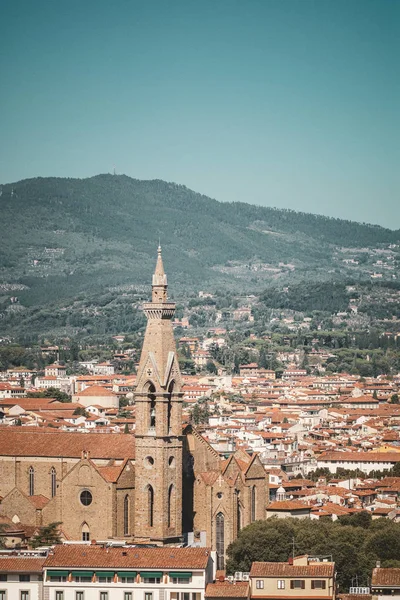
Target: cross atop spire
159 280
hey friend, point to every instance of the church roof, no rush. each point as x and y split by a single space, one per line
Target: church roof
73 556
14 442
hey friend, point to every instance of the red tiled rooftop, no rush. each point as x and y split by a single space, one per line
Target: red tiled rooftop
133 558
225 589
17 442
390 577
281 569
21 564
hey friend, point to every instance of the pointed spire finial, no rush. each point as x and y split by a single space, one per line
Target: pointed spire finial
159 279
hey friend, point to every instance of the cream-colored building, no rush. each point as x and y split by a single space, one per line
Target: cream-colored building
299 579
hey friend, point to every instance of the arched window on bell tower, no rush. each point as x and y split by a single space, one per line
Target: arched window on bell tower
31 481
171 506
169 406
151 407
150 506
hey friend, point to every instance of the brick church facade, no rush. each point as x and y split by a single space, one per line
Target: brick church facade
154 486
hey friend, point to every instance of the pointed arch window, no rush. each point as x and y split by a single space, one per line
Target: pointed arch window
53 481
151 406
31 481
169 406
85 532
171 506
238 513
253 503
220 540
150 504
126 515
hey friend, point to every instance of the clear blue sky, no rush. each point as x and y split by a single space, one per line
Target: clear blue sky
287 103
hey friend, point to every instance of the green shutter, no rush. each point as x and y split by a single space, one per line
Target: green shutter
82 573
126 573
58 573
181 575
151 574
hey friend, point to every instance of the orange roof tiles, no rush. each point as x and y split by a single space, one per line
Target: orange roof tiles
21 564
73 556
225 589
280 569
390 577
66 444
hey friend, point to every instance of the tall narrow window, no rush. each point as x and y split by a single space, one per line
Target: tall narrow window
238 513
152 406
85 533
169 406
53 482
126 515
220 540
253 503
171 506
150 501
31 481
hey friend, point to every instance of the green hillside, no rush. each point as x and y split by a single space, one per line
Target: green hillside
62 238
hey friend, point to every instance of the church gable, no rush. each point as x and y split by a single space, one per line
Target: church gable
255 470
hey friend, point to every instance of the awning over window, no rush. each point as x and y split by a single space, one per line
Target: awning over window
181 575
151 574
58 573
105 573
82 573
126 573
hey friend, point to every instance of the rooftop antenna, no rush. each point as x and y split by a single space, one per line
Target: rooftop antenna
114 172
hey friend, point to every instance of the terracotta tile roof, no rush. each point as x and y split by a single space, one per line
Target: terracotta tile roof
361 456
111 473
287 505
38 501
281 569
66 444
225 589
95 390
21 564
73 556
385 577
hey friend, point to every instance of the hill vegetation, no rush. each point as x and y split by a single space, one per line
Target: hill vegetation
88 242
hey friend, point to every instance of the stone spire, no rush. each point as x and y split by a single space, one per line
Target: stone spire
158 433
160 286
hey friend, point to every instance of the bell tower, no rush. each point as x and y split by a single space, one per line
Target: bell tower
158 434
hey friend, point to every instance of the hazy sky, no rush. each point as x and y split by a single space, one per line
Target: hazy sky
287 103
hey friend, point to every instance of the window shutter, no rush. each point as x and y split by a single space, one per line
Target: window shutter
292 585
303 585
312 584
324 585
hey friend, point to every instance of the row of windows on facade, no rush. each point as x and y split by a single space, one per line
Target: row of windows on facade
80 595
295 584
26 578
53 482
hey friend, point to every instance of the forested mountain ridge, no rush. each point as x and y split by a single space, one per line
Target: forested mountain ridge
64 237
